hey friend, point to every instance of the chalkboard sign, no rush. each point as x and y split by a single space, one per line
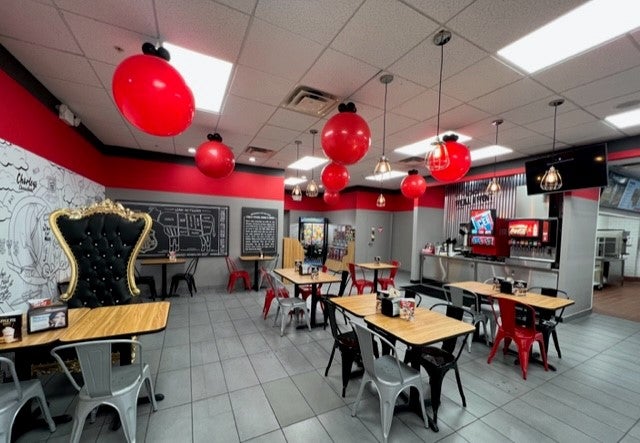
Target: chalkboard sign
188 230
259 231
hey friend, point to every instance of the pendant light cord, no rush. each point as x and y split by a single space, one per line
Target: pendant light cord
495 158
440 90
384 119
555 118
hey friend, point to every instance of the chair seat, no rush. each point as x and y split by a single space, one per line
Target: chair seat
123 379
293 302
348 340
9 395
436 357
386 369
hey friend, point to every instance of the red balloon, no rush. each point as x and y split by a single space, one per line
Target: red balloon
413 185
331 198
346 138
152 95
335 177
214 159
460 162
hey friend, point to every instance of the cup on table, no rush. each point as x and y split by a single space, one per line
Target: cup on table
377 259
8 334
172 255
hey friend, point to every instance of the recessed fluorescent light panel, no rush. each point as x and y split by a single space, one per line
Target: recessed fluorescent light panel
191 150
307 163
386 176
206 76
421 147
489 152
292 181
625 119
583 28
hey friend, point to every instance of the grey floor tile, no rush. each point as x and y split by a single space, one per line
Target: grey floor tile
514 429
320 396
237 313
170 425
175 357
316 355
480 432
293 360
204 352
177 321
152 341
176 337
342 427
270 437
287 401
308 431
239 373
199 316
267 366
245 326
207 381
176 387
254 343
219 316
230 347
252 413
223 329
213 420
200 333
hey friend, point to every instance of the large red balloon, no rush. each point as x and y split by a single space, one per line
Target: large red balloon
335 177
152 95
460 161
413 185
331 198
214 159
346 138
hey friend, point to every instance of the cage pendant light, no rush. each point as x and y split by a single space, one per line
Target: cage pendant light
438 158
296 192
383 166
312 187
494 187
552 180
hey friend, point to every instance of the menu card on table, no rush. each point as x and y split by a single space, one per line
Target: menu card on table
10 327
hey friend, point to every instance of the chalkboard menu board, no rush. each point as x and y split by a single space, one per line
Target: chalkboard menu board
259 231
189 230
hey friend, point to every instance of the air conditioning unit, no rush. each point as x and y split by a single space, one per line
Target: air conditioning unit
310 101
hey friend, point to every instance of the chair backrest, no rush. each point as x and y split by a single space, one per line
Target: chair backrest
14 376
276 284
458 313
101 242
394 271
365 340
193 265
461 297
231 264
352 271
95 365
274 262
330 310
509 315
551 292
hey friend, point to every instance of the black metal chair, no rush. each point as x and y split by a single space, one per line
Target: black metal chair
187 276
146 280
548 320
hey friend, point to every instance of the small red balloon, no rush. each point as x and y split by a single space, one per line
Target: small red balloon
335 177
346 138
214 159
413 185
459 163
331 198
152 95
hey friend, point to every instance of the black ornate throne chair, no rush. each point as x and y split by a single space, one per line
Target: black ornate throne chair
101 242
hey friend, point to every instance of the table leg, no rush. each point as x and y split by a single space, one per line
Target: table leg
255 276
164 281
413 404
375 281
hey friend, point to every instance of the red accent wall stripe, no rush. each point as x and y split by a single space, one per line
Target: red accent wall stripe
432 198
588 194
621 155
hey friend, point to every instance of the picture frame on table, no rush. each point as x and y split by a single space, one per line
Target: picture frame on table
46 318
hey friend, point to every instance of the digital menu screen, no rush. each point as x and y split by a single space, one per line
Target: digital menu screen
483 221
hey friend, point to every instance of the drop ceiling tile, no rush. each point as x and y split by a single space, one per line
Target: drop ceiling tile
438 10
104 71
110 132
534 111
511 135
36 23
292 120
564 120
588 132
617 85
395 123
479 79
511 96
203 26
618 55
398 91
244 116
154 143
206 120
136 16
382 31
242 5
463 115
494 24
278 52
616 105
636 36
79 94
412 134
260 86
276 133
51 63
338 74
425 106
318 21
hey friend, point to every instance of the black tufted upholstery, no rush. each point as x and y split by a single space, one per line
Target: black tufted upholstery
102 244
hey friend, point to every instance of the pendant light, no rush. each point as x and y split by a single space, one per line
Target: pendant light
438 158
296 193
552 180
383 165
494 187
312 187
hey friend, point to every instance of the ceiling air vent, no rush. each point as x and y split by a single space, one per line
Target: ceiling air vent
411 161
258 152
310 101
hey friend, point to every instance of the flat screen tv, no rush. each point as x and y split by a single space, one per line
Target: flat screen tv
584 167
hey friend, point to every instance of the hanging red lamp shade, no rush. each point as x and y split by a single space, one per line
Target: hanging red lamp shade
331 198
335 177
214 159
346 137
151 94
459 161
413 185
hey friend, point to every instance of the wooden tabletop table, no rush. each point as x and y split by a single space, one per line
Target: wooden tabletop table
532 299
256 259
358 305
163 261
375 267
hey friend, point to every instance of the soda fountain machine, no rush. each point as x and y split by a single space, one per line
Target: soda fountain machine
533 239
488 234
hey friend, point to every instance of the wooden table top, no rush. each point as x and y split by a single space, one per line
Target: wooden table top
256 258
45 337
294 276
427 327
535 300
116 321
162 261
358 305
373 266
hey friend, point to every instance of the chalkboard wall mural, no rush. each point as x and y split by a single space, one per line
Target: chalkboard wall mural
31 187
188 230
259 231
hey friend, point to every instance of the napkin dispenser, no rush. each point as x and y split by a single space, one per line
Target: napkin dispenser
390 306
506 287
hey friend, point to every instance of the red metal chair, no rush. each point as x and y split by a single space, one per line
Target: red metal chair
385 282
523 335
359 283
234 273
270 293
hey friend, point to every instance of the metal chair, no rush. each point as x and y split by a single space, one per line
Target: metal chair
359 283
385 282
290 305
548 320
187 276
264 269
13 396
388 374
468 299
236 273
116 386
486 307
147 280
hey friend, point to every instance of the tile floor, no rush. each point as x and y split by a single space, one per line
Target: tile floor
228 376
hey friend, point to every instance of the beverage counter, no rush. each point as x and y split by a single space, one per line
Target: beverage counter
460 268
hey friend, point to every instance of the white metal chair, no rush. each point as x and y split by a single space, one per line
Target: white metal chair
14 395
116 386
388 374
467 299
487 309
288 305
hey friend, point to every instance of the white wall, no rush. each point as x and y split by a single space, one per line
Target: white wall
428 227
402 248
629 223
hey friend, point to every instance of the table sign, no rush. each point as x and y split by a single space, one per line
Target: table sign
11 327
407 308
46 318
